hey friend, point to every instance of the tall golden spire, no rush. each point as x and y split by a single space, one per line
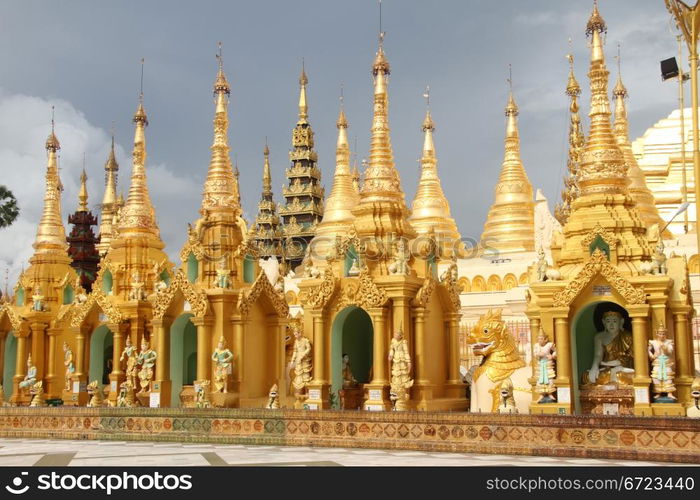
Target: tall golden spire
267 175
337 217
510 223
221 191
110 202
431 210
576 141
638 190
51 235
138 215
83 194
382 209
382 182
604 199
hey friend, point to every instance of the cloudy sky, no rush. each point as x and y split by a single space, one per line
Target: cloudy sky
83 57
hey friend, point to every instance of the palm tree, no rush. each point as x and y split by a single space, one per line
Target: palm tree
8 207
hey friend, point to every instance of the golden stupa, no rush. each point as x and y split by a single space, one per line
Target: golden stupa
606 262
510 223
430 212
640 193
337 217
372 287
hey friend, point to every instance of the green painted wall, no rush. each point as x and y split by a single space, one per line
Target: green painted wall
101 345
68 295
248 269
351 334
9 363
183 343
192 268
107 282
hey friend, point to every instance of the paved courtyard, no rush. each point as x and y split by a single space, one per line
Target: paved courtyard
44 452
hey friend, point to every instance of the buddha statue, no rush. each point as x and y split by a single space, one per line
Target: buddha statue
613 363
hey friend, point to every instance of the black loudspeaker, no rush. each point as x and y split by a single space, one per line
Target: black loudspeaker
669 68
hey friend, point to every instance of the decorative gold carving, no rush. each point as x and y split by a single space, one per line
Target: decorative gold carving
193 247
364 292
599 264
425 292
163 298
607 236
262 285
98 297
14 318
318 296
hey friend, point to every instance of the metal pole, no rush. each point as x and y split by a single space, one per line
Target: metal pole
681 99
696 137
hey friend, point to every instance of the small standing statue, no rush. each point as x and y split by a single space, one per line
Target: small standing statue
354 268
202 395
661 356
146 359
126 397
136 288
348 378
545 353
401 380
273 402
223 357
68 363
30 377
130 353
301 362
401 258
694 409
658 260
38 300
541 265
223 275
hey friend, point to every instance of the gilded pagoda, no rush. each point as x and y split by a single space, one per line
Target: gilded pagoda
303 207
266 232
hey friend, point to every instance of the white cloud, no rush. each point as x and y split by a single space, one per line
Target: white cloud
24 125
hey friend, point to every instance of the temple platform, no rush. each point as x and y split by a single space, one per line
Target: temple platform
672 439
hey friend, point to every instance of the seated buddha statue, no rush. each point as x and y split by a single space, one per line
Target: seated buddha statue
613 363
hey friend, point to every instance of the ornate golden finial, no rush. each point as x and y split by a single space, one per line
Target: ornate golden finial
52 142
51 235
342 121
619 90
221 188
221 86
83 194
109 201
596 23
267 175
303 108
428 121
510 223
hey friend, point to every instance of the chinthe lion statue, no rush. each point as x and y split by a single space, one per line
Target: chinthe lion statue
501 368
202 395
126 397
94 388
37 392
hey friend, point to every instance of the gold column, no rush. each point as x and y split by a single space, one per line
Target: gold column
640 316
379 349
419 346
38 332
163 342
319 339
238 349
3 340
281 360
563 342
20 365
204 349
117 376
79 334
684 355
51 388
453 369
534 332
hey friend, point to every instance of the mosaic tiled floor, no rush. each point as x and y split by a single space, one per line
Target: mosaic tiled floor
42 452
